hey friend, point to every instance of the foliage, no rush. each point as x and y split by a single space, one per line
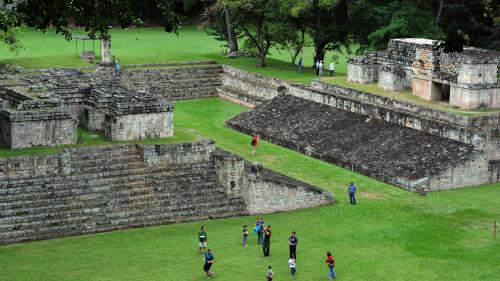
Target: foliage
401 20
325 21
258 21
95 16
9 28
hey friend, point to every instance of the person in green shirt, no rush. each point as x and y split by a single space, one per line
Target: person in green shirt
202 238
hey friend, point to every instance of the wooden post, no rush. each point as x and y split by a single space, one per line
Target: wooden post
494 229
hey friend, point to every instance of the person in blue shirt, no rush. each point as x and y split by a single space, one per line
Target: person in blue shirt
209 259
300 65
117 67
351 189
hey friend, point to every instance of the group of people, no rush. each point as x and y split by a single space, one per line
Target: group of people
263 237
319 66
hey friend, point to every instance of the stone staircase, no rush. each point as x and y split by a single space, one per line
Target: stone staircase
174 83
111 188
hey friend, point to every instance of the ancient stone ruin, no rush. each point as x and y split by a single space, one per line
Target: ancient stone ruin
467 79
45 107
112 187
411 146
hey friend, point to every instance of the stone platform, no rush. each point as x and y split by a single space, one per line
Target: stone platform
386 151
104 188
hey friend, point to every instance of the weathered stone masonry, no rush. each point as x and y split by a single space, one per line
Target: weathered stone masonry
104 188
135 104
482 132
467 79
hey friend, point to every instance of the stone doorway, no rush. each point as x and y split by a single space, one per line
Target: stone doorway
440 92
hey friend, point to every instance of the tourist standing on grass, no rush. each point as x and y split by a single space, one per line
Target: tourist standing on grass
351 189
269 275
293 245
321 67
332 69
330 262
291 263
317 67
245 235
202 239
209 260
299 65
254 143
267 241
258 230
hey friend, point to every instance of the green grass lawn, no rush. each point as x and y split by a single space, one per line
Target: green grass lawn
390 235
153 45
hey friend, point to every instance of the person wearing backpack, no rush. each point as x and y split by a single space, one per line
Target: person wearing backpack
330 262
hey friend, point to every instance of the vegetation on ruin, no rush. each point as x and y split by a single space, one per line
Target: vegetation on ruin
390 235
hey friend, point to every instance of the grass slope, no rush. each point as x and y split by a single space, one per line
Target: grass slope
153 45
390 235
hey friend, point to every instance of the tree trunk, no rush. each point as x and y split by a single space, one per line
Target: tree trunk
106 49
319 51
299 46
440 12
231 34
262 59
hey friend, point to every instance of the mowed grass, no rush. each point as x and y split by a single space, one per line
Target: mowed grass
153 45
390 235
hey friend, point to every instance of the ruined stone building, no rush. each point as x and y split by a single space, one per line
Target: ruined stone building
468 79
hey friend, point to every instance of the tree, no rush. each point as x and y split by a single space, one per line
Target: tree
95 16
218 23
257 20
327 22
9 26
402 19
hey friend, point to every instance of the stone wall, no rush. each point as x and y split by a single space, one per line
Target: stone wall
373 147
139 126
269 192
105 188
248 88
28 119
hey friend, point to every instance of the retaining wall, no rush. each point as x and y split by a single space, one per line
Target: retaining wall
112 187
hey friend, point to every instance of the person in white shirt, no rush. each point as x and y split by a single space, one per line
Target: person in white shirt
320 68
317 67
291 263
332 69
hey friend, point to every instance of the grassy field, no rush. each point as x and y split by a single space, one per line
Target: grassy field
153 45
390 235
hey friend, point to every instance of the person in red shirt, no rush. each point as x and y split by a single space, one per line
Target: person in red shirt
331 264
254 142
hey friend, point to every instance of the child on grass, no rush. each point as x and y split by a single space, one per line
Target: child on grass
245 235
291 263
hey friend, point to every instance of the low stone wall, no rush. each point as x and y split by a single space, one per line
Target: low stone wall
269 192
248 88
105 188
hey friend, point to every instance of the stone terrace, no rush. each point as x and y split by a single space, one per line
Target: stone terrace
112 187
383 150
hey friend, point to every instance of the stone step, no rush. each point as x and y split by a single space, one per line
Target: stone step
50 190
109 212
134 158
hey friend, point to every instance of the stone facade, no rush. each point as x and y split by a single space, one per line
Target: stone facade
105 188
482 132
136 104
386 151
467 79
28 119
